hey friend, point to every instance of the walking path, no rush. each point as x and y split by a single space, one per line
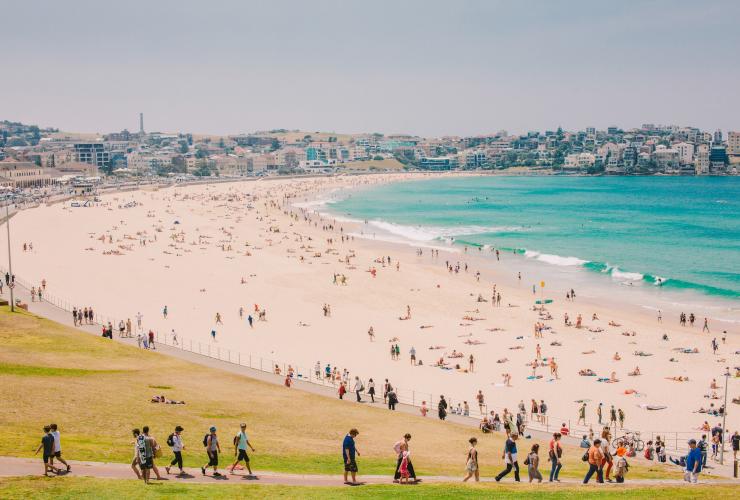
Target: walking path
14 467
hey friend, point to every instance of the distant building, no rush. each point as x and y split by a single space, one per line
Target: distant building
23 174
93 153
438 163
733 143
685 152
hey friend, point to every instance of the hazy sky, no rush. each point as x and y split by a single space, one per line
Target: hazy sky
426 67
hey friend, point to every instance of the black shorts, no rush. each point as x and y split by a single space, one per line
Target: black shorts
243 456
58 454
148 463
351 466
47 458
213 459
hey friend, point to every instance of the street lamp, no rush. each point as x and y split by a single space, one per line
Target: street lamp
724 421
11 281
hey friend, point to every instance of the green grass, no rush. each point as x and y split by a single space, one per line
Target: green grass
293 431
82 488
48 371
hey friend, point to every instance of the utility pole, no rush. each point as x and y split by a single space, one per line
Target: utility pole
724 421
11 281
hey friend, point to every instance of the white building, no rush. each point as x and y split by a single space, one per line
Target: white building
685 152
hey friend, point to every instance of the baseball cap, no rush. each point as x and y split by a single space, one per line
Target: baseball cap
213 429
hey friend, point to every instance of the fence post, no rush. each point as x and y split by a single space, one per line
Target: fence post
261 364
413 398
240 358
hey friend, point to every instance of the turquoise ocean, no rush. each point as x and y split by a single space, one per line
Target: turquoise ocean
671 233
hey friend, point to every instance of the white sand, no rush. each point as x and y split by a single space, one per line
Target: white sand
166 272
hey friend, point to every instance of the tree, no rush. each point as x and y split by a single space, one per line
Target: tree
184 148
275 145
202 171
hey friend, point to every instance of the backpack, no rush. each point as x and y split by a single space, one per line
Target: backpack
205 439
585 457
171 440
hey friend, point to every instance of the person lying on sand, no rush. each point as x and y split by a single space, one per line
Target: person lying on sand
434 347
394 339
423 327
589 352
556 343
642 353
495 329
456 354
614 323
595 330
587 372
473 342
516 347
629 333
680 378
502 360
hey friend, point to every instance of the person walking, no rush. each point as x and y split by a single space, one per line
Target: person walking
471 462
371 389
693 463
595 462
555 454
621 467
533 464
400 448
213 448
358 388
392 399
135 463
47 444
349 454
175 442
442 408
241 442
144 453
510 458
156 451
58 446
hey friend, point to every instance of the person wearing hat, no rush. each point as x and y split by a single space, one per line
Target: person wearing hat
213 448
693 463
174 441
241 442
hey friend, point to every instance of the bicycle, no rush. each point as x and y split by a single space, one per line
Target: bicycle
630 439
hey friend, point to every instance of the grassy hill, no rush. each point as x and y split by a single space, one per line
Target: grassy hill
97 391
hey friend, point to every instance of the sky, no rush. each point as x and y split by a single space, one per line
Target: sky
425 67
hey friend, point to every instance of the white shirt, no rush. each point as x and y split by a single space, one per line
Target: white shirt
177 443
57 442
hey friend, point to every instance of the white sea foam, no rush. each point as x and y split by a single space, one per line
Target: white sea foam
625 276
431 233
556 260
402 241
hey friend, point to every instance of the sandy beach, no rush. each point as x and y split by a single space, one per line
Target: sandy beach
210 250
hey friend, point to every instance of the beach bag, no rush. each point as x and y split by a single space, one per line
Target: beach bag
585 457
205 440
171 440
158 452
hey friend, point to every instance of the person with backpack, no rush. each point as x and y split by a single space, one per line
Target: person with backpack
621 466
174 441
213 448
241 442
145 453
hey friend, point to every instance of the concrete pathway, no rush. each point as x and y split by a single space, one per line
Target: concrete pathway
15 467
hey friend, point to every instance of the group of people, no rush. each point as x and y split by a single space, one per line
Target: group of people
83 316
147 449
